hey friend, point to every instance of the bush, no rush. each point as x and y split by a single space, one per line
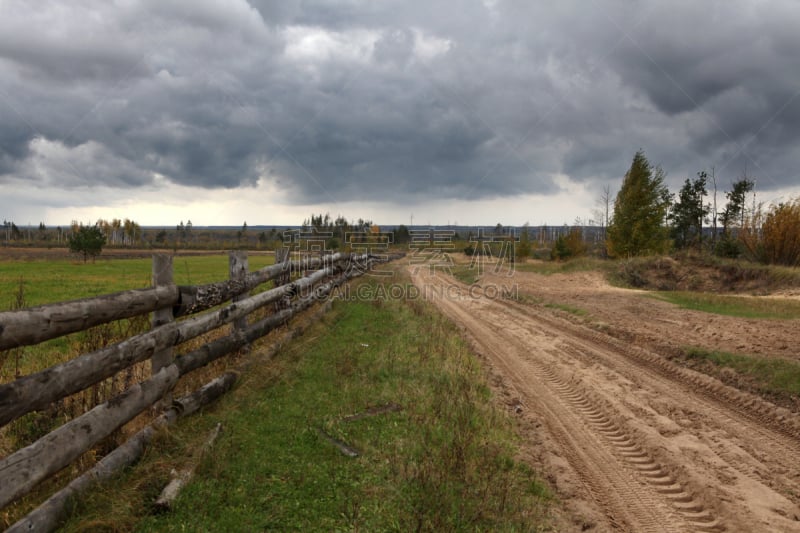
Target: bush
728 247
780 234
773 237
570 246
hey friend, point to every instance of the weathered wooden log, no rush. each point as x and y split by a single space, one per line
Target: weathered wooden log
37 391
26 467
37 324
180 479
225 345
195 299
47 516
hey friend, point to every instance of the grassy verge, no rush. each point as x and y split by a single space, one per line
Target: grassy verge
444 462
739 306
580 264
772 375
465 274
577 311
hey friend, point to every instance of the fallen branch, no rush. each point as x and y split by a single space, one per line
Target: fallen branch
374 411
180 479
343 447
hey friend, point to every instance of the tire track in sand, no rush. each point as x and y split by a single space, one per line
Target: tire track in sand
600 404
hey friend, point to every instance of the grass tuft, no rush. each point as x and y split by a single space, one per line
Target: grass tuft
465 274
773 375
578 264
577 311
738 306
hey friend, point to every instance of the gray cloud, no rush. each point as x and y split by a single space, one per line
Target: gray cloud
395 100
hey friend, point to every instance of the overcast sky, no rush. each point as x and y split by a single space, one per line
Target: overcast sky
468 112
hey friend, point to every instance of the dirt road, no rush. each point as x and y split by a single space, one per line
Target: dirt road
630 440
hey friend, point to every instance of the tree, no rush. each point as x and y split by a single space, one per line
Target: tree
640 209
242 234
733 217
116 224
568 246
402 235
734 213
689 213
602 212
88 240
523 248
714 212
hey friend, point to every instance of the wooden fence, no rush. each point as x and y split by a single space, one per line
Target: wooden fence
25 468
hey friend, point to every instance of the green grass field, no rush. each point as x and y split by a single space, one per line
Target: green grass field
442 462
57 280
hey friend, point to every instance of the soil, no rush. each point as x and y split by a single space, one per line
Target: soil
630 439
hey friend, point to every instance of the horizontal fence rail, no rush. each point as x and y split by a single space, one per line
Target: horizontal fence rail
26 467
37 391
39 324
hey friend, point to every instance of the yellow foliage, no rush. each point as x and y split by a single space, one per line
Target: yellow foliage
774 237
781 234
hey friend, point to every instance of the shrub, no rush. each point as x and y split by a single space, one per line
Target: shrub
781 234
570 246
774 237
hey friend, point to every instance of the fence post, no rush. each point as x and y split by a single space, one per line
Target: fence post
237 265
282 256
162 275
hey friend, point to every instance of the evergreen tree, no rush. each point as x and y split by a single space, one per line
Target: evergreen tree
734 212
733 216
640 209
88 240
523 248
689 213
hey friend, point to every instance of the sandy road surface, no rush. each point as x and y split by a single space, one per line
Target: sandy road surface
631 441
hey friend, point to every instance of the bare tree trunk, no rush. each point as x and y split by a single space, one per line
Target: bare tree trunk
714 215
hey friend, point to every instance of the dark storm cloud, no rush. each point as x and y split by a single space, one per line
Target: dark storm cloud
394 100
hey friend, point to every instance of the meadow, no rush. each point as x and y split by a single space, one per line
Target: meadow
58 279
